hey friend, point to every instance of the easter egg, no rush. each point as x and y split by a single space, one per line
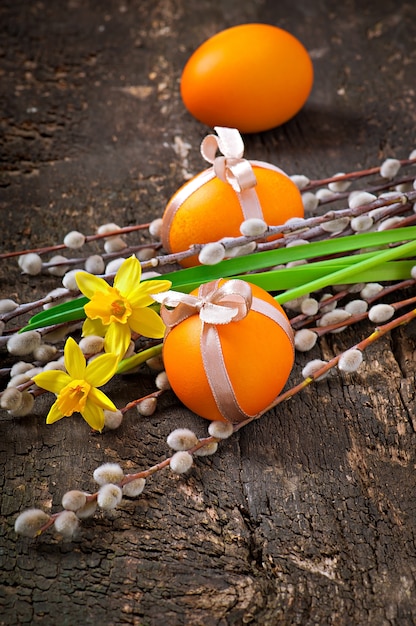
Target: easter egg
207 209
252 77
255 354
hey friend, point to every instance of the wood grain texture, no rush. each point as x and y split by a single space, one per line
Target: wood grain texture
306 517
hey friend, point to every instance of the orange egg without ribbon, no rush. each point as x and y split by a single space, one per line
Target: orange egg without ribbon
252 77
212 210
257 352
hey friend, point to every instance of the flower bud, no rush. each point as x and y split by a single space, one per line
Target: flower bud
156 363
208 449
91 344
87 510
94 264
305 339
66 524
253 227
309 306
336 226
222 430
390 168
112 419
109 496
211 254
25 407
350 360
245 248
162 381
361 223
57 294
30 263
155 227
30 522
23 343
74 240
74 500
300 180
181 462
334 317
114 244
20 368
324 194
7 305
310 201
145 254
11 399
110 227
59 269
108 473
360 199
44 353
380 313
356 307
312 367
69 281
389 223
370 290
134 487
114 265
182 439
147 407
339 185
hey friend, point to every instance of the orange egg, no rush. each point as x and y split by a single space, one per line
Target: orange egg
252 77
211 210
258 355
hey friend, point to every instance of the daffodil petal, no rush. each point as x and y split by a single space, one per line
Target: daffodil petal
100 399
148 323
93 327
101 369
93 415
54 414
117 339
141 295
52 380
74 359
88 284
128 276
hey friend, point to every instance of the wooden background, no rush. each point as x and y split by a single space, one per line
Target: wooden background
305 517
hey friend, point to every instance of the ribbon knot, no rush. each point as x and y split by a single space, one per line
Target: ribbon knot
231 168
215 305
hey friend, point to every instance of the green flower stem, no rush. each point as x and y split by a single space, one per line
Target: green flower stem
127 365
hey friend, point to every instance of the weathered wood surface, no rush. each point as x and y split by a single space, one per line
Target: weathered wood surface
305 517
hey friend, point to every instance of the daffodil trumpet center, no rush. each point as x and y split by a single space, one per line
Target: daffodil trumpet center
73 397
109 307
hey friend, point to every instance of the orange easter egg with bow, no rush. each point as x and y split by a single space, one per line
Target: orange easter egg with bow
237 369
213 204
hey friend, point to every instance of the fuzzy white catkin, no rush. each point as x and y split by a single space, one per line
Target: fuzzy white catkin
361 223
74 500
30 522
296 303
324 194
209 448
296 242
114 265
350 360
162 381
305 339
54 365
253 227
25 407
114 244
380 313
356 307
301 181
370 290
335 226
44 353
145 254
69 281
109 497
181 462
310 201
87 510
312 367
20 368
360 199
328 307
58 270
156 363
147 407
222 430
108 473
112 419
334 317
389 168
295 223
24 343
30 264
60 293
91 344
211 253
182 439
309 306
74 240
134 488
339 185
7 305
296 263
389 223
19 379
66 524
246 248
110 227
155 227
413 272
94 264
11 399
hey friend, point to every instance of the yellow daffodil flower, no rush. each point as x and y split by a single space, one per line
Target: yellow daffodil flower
76 389
115 311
